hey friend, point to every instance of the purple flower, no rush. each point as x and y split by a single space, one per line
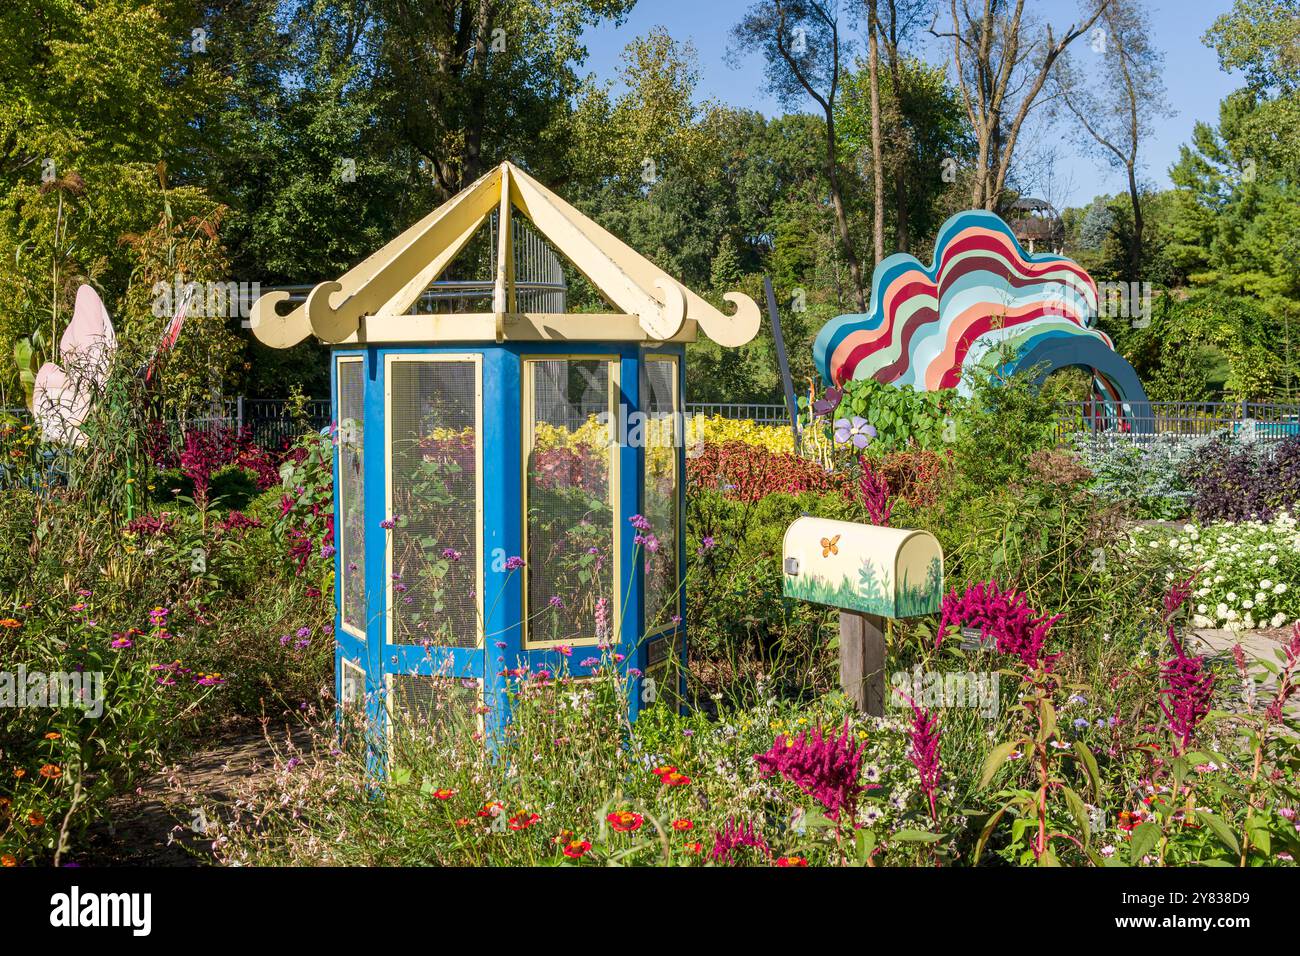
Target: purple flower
589 662
856 430
284 640
556 601
388 523
639 522
514 563
707 543
304 632
828 404
327 551
451 554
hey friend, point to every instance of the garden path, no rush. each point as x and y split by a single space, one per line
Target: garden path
157 825
1259 645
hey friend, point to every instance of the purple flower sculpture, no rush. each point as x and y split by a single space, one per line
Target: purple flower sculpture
856 431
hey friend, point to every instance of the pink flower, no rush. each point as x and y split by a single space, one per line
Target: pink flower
735 835
1005 616
924 751
826 768
875 493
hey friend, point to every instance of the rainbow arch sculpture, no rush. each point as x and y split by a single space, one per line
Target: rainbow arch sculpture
928 325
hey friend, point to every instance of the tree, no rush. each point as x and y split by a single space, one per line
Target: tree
1261 38
1001 71
800 40
1118 108
471 82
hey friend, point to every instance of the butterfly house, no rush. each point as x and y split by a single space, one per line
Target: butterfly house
509 475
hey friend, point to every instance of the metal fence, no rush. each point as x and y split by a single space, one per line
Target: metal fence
762 414
1258 421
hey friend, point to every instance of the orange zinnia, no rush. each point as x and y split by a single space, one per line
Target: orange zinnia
51 771
8 859
36 818
53 736
683 824
625 821
695 848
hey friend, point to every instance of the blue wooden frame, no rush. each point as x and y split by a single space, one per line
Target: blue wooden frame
503 521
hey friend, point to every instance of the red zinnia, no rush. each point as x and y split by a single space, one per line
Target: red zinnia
625 821
683 824
674 779
695 848
577 848
491 809
523 821
442 793
791 861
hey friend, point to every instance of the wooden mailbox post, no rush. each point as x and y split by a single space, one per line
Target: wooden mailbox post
870 573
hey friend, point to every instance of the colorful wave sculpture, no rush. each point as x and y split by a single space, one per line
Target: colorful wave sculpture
927 325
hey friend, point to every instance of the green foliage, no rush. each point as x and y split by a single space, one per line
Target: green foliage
901 415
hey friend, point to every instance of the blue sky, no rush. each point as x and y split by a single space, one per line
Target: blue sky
1193 80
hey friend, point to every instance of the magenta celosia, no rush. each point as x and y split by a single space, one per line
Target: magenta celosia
824 767
1005 616
923 737
874 489
732 837
1286 685
1188 685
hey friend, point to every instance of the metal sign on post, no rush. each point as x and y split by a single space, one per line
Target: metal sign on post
781 360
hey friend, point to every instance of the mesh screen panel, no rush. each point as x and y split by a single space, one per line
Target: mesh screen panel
420 701
659 387
434 502
570 490
352 694
351 498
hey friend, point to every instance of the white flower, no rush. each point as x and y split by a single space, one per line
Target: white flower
1278 620
1265 584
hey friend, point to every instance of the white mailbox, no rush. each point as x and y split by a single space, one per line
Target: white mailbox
891 572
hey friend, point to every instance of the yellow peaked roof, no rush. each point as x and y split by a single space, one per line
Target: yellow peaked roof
369 303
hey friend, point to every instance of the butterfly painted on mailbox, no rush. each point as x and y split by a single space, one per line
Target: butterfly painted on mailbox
830 546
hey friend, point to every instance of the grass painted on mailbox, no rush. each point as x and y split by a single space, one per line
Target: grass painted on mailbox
872 593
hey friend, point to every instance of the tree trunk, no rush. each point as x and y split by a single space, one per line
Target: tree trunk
841 217
1135 241
877 149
